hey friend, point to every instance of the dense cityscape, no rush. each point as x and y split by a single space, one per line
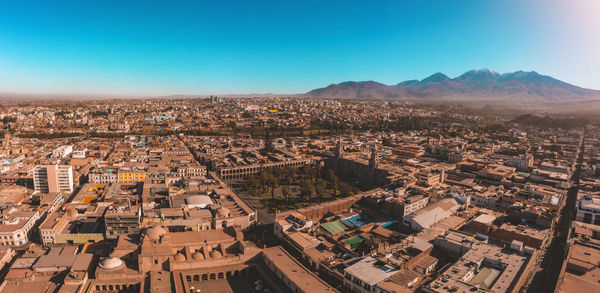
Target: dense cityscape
295 195
299 146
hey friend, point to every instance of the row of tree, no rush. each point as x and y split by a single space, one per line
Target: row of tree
550 122
310 179
45 135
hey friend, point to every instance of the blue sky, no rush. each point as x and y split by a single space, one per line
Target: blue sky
137 47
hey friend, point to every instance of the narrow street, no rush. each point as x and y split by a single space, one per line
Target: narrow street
547 275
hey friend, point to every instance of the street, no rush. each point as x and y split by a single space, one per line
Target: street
547 274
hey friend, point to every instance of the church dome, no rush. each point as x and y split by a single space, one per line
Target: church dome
223 212
154 233
111 263
215 254
179 257
198 256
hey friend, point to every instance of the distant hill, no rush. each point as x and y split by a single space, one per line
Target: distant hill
356 90
476 85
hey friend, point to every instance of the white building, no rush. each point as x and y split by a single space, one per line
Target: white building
196 171
80 154
103 177
53 178
588 209
15 227
364 275
432 214
292 223
555 167
414 203
62 151
522 163
50 202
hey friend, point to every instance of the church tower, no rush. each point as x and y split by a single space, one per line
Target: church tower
7 143
339 151
374 161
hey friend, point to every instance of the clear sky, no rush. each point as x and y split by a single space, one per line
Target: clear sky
142 47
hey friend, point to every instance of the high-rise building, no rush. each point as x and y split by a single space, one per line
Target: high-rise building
53 178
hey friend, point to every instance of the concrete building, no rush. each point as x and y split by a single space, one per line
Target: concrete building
243 171
430 177
412 204
524 162
16 227
131 175
53 178
122 221
580 273
588 209
6 255
432 214
192 171
364 275
62 151
294 275
80 153
483 268
104 176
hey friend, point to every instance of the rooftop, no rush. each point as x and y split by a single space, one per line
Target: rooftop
371 271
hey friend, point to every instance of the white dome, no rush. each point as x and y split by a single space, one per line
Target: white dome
111 263
198 201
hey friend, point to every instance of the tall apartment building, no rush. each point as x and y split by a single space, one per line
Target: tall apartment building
53 178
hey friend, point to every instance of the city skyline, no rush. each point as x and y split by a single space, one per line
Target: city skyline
299 146
152 48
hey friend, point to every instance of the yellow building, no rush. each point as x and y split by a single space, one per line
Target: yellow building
131 175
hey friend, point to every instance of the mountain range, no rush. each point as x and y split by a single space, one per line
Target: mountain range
481 85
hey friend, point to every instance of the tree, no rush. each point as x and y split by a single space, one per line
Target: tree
320 188
264 179
312 173
333 181
286 191
386 141
288 179
276 172
268 143
306 172
274 183
306 189
291 172
252 183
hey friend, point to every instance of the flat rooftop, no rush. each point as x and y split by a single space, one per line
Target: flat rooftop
583 271
371 271
302 277
498 270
